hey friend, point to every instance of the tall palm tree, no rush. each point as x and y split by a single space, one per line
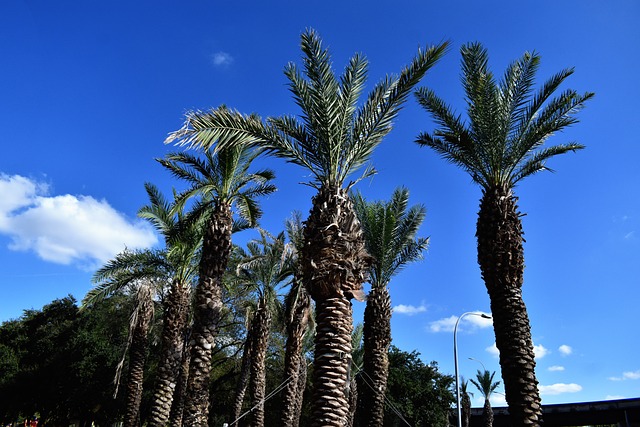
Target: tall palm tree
182 243
297 314
484 383
334 137
503 143
266 264
142 273
221 182
390 230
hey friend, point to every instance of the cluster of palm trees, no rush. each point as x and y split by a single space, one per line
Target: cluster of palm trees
345 241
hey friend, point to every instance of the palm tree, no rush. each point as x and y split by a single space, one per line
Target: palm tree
486 386
501 144
334 137
142 273
266 264
389 230
221 182
182 246
466 402
297 315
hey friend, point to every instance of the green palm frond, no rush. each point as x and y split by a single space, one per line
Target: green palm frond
484 383
390 230
218 178
508 124
127 269
333 137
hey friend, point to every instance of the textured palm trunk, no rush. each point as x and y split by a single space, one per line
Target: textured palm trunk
377 338
138 356
175 317
353 401
501 259
216 246
487 414
466 409
177 406
334 263
243 380
302 385
293 359
257 381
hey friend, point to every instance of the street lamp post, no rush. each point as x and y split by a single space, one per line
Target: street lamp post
455 357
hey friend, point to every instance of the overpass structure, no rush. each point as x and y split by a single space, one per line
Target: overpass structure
622 412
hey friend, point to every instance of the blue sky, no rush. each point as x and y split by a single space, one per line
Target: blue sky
90 90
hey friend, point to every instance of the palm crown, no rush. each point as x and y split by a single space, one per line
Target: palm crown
222 179
390 229
508 124
334 136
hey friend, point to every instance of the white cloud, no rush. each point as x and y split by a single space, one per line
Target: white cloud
443 325
66 229
409 310
565 350
556 368
559 388
614 397
630 235
540 351
221 59
468 323
496 399
493 350
629 375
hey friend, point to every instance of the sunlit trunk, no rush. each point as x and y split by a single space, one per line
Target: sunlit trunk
501 259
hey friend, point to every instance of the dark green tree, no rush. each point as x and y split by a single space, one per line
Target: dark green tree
501 144
417 394
334 137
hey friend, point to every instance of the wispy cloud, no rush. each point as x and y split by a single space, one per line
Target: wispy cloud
559 388
540 351
66 229
629 236
556 368
468 323
409 310
221 59
565 350
629 375
493 350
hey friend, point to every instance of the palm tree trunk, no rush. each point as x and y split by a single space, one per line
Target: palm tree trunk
501 259
353 401
138 356
302 385
243 380
332 358
175 317
466 409
334 265
216 247
293 358
377 338
487 414
177 406
257 380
